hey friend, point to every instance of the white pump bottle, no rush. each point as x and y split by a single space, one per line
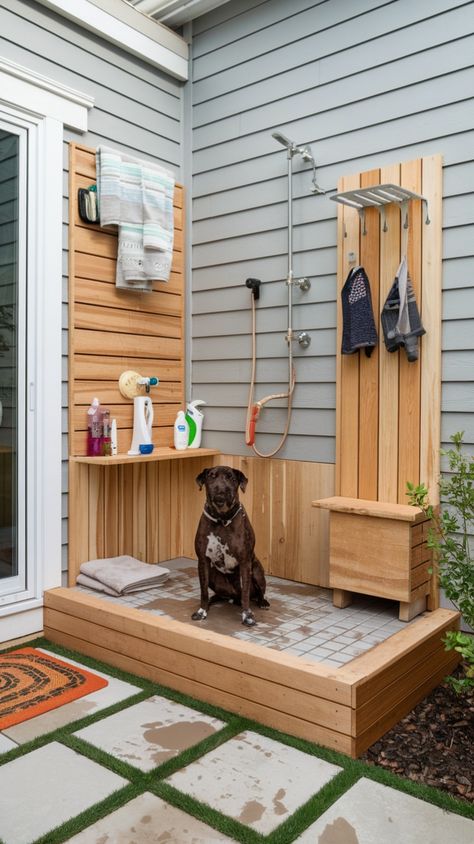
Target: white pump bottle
195 418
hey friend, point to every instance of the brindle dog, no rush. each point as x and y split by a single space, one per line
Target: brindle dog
225 543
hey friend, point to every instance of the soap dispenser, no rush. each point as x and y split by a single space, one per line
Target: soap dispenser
181 432
195 418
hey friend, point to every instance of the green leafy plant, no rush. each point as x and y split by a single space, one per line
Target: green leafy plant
451 538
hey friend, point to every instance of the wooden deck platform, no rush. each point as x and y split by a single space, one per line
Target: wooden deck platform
344 708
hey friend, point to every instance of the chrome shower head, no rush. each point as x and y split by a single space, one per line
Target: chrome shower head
282 139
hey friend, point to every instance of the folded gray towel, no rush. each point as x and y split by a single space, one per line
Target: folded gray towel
121 575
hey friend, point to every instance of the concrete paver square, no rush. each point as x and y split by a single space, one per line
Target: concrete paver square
46 787
114 692
6 744
370 813
255 780
147 734
149 820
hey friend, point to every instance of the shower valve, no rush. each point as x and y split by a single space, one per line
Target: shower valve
304 284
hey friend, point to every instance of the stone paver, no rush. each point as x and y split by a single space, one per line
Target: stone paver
254 780
297 613
6 744
147 734
115 691
44 788
370 813
148 820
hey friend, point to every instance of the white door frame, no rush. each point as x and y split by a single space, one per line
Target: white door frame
46 106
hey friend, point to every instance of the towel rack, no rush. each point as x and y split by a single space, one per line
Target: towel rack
379 196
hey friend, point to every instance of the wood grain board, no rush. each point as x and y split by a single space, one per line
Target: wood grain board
345 709
388 410
112 330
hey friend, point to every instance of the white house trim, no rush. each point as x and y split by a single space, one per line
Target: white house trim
38 95
44 107
147 47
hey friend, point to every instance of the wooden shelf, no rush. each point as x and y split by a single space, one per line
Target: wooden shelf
160 453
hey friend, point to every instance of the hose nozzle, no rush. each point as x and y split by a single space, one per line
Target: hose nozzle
250 433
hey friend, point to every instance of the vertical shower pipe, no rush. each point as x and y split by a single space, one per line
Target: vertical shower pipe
253 409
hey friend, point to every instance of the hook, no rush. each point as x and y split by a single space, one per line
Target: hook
383 217
427 220
361 213
404 211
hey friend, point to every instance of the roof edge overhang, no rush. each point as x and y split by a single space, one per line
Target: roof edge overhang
122 25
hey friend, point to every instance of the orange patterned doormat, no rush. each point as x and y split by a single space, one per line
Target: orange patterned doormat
32 682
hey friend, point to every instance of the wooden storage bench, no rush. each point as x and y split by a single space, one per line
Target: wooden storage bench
378 549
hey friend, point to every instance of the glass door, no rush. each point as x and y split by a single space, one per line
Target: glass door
15 583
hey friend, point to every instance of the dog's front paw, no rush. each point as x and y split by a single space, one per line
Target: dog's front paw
248 619
199 615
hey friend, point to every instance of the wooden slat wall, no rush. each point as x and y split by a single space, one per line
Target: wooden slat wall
388 410
151 510
292 537
112 330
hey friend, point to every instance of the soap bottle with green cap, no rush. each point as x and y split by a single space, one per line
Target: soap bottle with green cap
195 418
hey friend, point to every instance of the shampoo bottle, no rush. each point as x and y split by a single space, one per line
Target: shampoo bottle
194 418
94 429
106 445
181 432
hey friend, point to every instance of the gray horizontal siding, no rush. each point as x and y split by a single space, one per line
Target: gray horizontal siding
137 109
367 83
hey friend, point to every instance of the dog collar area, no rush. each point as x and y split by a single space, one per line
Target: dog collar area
220 520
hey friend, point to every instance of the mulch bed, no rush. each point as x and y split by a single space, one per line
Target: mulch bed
434 744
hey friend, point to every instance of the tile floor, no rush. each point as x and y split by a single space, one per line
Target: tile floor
252 779
301 620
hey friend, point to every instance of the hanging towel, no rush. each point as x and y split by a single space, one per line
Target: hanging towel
401 322
137 196
121 575
358 330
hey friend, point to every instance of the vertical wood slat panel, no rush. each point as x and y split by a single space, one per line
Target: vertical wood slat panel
78 522
388 368
125 499
369 366
349 366
111 512
432 187
410 372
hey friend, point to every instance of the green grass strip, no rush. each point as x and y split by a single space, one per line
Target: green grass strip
154 781
90 816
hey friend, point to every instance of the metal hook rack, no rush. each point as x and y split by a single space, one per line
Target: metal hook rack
379 196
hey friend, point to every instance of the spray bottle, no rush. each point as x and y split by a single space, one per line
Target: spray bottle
195 418
94 429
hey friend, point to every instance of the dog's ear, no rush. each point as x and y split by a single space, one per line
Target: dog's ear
201 479
241 479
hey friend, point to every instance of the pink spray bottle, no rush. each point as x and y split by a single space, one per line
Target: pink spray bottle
94 429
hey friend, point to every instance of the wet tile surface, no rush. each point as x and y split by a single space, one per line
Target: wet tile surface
151 732
148 820
370 813
255 780
46 787
115 691
301 620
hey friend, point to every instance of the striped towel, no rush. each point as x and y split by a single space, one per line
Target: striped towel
137 196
